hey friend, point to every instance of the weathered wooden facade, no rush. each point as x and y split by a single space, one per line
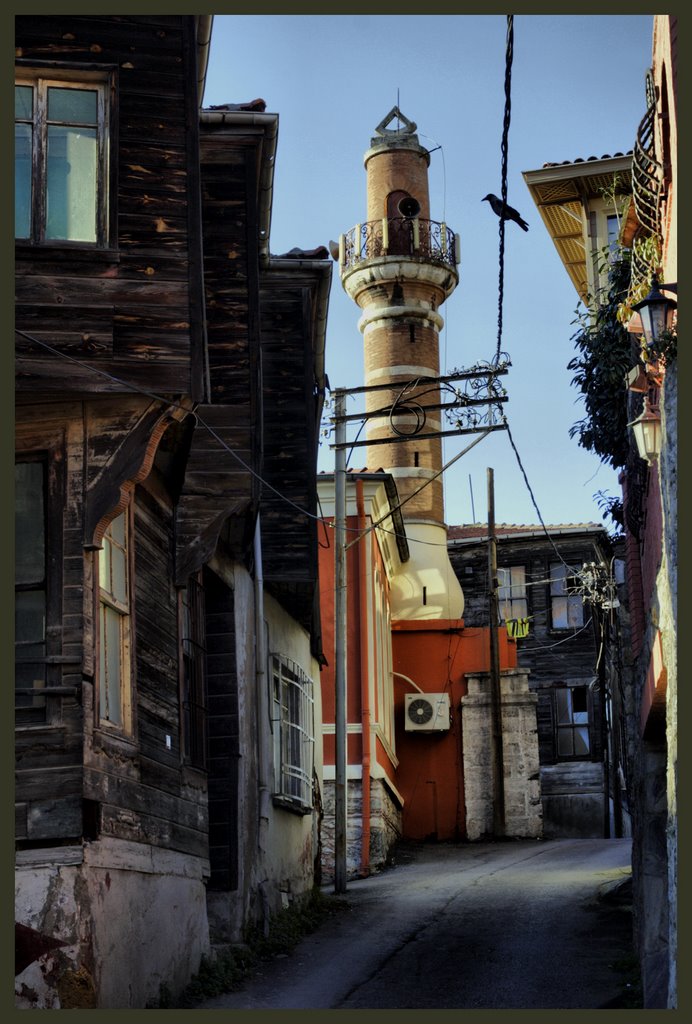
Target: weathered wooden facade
558 642
166 365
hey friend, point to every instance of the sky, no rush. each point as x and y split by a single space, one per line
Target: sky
577 90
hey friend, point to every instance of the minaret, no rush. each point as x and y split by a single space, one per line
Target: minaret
399 267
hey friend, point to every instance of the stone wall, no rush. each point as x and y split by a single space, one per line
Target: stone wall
385 827
522 787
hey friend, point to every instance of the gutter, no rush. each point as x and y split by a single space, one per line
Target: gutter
568 531
203 24
269 125
364 688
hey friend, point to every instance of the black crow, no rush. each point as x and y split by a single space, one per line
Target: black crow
509 212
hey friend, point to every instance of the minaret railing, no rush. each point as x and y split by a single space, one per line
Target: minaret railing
412 237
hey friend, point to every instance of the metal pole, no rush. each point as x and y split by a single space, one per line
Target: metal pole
496 695
340 638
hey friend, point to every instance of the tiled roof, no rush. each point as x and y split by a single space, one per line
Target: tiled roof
583 159
471 531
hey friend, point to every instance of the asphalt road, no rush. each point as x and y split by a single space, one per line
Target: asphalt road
516 925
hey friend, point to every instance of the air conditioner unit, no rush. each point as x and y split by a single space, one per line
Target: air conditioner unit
427 712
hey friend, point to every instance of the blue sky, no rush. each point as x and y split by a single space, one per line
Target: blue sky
577 91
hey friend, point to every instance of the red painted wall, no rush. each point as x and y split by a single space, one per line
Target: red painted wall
436 656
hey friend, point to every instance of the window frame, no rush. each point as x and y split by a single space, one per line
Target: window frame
558 590
572 725
193 672
515 594
105 599
41 77
292 690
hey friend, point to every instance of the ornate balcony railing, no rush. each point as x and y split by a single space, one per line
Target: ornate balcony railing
411 237
647 179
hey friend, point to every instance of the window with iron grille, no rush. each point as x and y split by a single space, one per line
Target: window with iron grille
194 663
294 737
566 605
61 157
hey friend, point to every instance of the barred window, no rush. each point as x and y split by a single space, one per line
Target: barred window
294 737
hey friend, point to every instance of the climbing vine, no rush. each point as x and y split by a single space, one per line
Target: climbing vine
604 355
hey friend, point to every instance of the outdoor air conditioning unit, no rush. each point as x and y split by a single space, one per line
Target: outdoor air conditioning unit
427 712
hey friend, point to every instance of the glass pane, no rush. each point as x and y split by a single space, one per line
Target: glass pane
22 180
560 613
575 611
29 523
117 529
71 184
76 106
581 740
110 665
119 577
29 617
557 578
563 706
23 102
564 743
105 565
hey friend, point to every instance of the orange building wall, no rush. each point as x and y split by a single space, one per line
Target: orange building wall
436 656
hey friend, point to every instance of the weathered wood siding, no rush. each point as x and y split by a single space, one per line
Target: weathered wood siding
550 662
133 309
290 409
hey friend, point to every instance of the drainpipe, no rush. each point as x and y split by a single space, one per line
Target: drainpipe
264 748
364 685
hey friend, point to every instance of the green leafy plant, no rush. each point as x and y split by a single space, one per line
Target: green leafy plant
604 355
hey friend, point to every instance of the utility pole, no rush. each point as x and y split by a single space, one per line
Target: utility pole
340 642
495 691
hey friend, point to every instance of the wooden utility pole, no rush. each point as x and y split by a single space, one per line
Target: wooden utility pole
340 645
495 691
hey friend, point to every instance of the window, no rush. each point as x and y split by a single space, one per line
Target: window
115 698
294 736
194 657
60 160
30 591
566 606
572 720
512 593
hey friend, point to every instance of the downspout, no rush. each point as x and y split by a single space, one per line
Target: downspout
262 698
364 685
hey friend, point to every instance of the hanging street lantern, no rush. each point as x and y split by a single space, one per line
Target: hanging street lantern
655 312
647 433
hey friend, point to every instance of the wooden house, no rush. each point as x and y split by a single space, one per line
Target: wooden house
167 645
557 639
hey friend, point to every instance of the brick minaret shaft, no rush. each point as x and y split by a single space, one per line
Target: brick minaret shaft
399 267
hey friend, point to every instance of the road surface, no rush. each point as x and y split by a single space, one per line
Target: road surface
509 925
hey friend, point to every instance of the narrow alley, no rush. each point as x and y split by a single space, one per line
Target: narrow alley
515 925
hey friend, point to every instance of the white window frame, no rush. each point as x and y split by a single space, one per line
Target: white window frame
293 723
40 81
512 596
115 693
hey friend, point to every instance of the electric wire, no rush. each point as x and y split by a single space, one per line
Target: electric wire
509 54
